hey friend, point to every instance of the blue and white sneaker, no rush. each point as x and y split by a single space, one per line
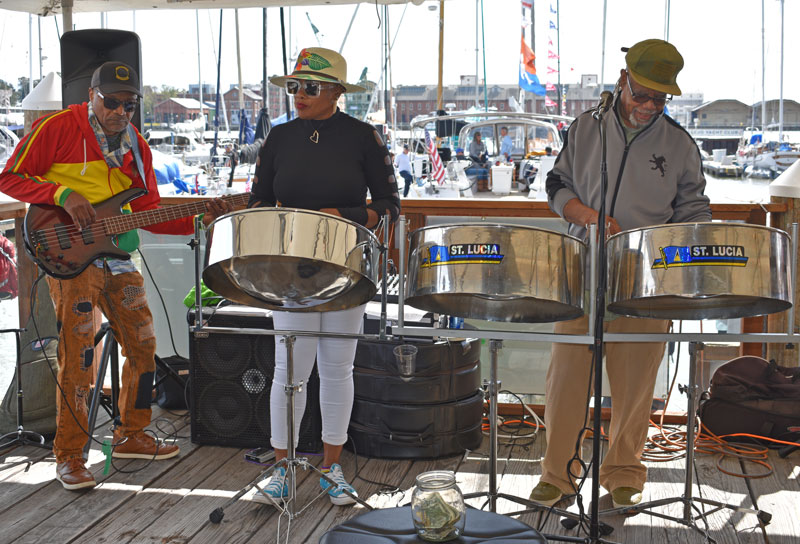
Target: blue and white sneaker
276 489
337 494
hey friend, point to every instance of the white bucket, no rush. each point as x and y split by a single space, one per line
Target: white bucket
718 155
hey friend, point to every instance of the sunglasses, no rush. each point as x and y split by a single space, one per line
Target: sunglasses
311 88
111 103
659 102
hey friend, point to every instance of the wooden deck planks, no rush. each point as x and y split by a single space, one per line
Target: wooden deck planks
726 525
154 511
779 494
169 502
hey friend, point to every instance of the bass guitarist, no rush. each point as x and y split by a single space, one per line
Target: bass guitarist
74 159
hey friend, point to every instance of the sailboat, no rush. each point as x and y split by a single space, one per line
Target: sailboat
768 151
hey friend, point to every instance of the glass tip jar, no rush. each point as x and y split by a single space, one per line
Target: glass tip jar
437 506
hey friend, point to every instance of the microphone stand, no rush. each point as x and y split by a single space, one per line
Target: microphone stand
600 310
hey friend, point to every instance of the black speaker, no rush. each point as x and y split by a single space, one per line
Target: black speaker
230 380
84 50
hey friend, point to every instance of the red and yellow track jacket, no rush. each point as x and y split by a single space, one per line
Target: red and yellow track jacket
61 154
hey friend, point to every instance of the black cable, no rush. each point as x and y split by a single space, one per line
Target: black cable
33 293
163 304
385 489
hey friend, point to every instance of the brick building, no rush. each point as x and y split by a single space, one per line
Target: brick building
177 110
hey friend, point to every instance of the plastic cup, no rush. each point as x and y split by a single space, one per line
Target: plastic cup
405 355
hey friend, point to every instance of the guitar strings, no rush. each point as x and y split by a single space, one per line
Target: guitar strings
98 228
50 235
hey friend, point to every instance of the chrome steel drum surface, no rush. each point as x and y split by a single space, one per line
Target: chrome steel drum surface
496 272
292 260
699 271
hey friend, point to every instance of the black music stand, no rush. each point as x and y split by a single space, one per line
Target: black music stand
20 436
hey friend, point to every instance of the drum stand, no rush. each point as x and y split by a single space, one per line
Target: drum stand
492 494
291 462
687 499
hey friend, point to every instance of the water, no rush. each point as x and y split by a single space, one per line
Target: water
725 190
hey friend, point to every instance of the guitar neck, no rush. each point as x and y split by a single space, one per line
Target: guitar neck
125 222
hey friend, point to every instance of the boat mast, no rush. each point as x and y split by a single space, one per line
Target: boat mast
562 103
603 50
441 56
199 67
476 53
780 107
763 94
239 67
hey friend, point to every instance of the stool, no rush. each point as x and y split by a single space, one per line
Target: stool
394 525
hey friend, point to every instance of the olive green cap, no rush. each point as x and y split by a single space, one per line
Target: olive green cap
655 64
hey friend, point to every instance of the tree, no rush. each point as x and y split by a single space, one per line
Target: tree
6 94
22 90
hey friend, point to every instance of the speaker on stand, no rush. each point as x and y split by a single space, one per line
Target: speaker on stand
82 51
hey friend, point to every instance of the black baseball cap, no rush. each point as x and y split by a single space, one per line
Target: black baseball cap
114 77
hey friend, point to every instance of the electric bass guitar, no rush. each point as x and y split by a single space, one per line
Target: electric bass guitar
64 251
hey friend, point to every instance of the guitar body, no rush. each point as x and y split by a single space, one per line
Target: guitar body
63 251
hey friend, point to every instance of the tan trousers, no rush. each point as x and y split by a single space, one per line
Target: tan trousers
632 370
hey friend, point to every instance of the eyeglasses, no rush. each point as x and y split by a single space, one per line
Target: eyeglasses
659 102
112 103
311 88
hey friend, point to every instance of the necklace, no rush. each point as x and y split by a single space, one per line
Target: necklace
315 135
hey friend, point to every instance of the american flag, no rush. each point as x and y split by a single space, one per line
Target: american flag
437 170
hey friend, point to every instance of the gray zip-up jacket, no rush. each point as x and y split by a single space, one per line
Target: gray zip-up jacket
654 180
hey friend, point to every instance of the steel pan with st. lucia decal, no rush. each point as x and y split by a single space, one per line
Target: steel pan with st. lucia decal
496 272
699 271
292 260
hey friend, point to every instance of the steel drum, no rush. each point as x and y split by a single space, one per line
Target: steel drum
699 271
496 272
291 260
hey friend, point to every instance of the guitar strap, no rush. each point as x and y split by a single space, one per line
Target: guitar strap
137 154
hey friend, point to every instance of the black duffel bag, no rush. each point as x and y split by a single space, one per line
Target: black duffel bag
754 396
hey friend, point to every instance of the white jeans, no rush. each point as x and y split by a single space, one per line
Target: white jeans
335 366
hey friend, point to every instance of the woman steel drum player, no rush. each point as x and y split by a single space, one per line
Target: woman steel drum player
323 160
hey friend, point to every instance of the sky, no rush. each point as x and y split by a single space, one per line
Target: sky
720 41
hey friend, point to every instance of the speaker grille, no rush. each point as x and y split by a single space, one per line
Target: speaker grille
231 379
225 409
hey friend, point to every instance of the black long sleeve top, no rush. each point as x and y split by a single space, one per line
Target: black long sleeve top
348 159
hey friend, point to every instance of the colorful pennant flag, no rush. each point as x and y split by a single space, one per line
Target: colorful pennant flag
528 80
551 70
549 103
549 87
527 4
437 169
551 55
552 25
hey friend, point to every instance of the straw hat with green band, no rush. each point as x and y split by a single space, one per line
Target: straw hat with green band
655 64
320 64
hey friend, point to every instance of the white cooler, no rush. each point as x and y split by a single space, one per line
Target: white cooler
501 179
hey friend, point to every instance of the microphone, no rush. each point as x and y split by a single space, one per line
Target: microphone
606 99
